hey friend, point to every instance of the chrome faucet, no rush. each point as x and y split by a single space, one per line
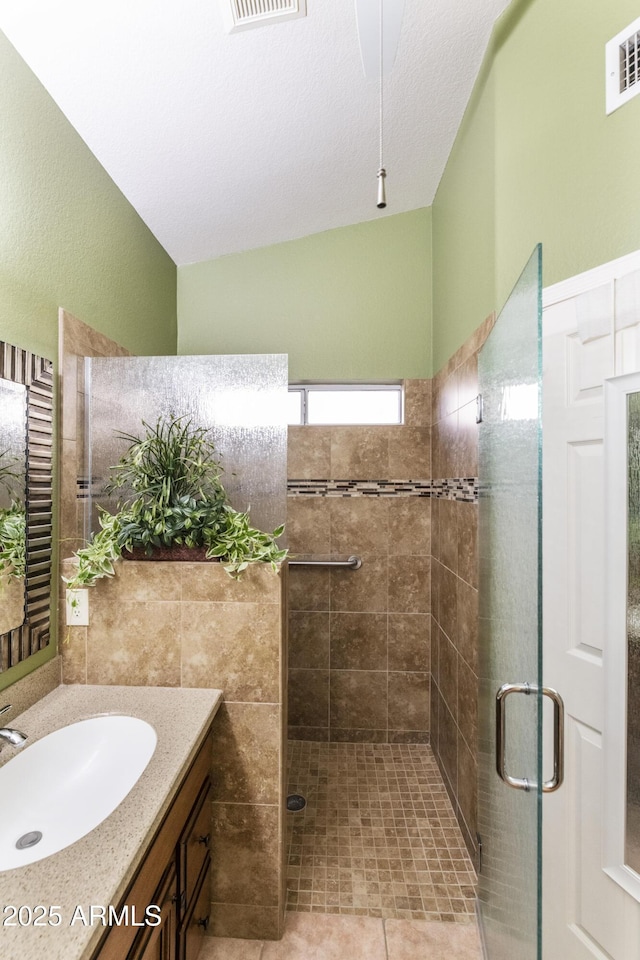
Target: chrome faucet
15 737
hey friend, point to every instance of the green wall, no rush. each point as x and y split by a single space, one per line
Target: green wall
69 238
349 304
563 172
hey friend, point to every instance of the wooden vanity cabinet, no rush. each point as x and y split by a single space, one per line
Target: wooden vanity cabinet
173 876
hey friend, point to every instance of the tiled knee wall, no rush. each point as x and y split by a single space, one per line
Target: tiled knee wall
454 585
359 641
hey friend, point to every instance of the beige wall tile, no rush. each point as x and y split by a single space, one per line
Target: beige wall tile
410 525
467 623
134 644
358 641
309 589
361 590
359 453
73 651
409 453
466 463
359 525
309 453
448 602
468 380
448 673
409 736
309 525
448 555
467 520
234 646
309 698
358 699
467 712
309 634
354 735
409 641
409 584
417 403
435 706
209 582
142 580
316 734
408 704
245 867
448 746
246 751
437 451
468 788
447 445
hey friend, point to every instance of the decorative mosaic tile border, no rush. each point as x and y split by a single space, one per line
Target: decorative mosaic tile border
464 489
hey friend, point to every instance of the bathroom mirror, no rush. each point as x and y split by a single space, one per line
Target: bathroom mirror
13 465
621 741
26 450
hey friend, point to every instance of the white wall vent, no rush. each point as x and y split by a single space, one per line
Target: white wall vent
244 14
623 68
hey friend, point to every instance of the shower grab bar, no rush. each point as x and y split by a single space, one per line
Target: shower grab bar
352 563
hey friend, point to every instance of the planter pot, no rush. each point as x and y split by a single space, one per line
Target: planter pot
179 553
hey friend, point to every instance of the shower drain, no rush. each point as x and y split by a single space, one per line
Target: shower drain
296 802
29 840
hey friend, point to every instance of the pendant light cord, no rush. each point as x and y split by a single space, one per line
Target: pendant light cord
381 97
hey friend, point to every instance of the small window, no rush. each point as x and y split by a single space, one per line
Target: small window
344 403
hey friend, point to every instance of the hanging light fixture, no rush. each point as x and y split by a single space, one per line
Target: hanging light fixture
382 173
379 32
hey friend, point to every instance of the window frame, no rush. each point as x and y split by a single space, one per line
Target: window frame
304 387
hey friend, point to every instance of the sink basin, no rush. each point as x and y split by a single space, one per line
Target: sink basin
65 784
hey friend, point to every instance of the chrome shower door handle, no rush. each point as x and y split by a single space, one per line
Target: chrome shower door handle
522 783
518 783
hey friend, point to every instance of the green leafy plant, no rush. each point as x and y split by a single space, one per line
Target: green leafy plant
13 539
176 499
13 520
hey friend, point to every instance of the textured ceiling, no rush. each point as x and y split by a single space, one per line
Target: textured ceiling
224 143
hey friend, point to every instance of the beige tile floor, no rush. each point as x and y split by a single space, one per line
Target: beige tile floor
315 936
378 837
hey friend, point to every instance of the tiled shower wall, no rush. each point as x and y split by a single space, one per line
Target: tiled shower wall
359 640
454 584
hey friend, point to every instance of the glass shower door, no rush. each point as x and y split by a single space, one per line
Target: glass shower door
510 627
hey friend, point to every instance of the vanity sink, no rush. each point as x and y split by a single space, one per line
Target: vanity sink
61 787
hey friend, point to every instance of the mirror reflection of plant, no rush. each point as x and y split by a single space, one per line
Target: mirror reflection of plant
13 539
11 473
178 499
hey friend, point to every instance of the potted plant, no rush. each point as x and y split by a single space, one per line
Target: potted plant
176 508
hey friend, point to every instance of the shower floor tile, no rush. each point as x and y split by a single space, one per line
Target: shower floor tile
378 836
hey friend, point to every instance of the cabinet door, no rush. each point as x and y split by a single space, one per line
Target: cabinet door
194 847
197 922
161 942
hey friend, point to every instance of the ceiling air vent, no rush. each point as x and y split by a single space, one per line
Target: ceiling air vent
244 14
623 69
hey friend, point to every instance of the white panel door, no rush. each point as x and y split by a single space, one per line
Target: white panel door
585 913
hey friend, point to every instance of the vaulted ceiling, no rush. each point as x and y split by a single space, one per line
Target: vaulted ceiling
226 142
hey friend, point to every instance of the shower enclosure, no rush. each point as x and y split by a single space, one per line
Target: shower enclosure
510 626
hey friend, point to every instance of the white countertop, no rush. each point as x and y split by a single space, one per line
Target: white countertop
97 868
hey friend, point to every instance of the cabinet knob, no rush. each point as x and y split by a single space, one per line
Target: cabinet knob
204 923
205 839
